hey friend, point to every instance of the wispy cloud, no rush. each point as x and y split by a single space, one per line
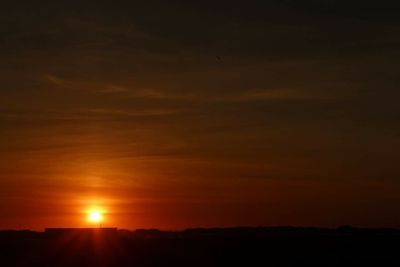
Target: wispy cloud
84 114
278 94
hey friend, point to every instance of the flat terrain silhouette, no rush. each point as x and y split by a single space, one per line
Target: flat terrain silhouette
262 246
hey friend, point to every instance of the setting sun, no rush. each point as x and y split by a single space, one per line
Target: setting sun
95 216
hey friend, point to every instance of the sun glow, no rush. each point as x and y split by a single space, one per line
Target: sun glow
95 216
95 212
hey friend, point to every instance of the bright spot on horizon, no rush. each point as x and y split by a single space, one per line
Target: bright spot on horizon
95 216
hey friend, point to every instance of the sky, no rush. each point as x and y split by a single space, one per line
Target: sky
169 114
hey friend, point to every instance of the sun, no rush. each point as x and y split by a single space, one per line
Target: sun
95 216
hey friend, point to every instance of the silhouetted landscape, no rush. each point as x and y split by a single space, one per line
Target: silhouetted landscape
262 246
173 114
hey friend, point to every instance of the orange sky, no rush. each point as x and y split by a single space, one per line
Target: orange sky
192 114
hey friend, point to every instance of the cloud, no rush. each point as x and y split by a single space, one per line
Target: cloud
84 114
276 95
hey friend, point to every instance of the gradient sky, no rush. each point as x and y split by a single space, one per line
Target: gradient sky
172 114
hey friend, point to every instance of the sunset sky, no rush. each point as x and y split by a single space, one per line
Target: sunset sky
172 114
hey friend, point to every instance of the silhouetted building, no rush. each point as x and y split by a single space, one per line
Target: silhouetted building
103 232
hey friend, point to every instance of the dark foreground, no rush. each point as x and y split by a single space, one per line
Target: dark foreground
282 246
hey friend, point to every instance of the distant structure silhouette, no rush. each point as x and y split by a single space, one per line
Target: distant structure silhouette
109 232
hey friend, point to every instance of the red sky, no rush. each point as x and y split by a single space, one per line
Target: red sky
192 115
